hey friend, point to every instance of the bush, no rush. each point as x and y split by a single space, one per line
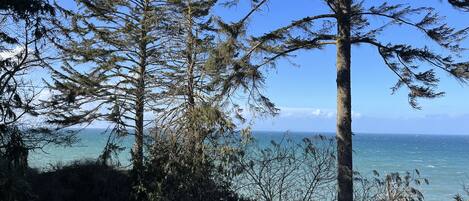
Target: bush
175 174
81 180
13 184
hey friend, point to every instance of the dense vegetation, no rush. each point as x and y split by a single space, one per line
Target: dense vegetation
179 79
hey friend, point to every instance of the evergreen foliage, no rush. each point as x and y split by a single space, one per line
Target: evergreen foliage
173 69
191 96
175 172
113 55
351 23
80 180
414 66
123 60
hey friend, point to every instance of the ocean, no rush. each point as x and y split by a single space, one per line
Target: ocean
442 159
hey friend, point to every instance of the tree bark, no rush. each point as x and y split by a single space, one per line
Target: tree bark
139 109
195 138
137 157
344 107
140 98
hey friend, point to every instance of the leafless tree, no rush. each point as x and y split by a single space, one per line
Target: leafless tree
288 170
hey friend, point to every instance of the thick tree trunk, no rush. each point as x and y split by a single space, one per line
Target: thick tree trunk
344 107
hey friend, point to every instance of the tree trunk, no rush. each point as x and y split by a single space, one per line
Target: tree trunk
344 107
139 109
140 96
195 138
140 106
137 152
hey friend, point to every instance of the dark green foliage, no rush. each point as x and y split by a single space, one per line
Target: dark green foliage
13 184
26 8
458 198
174 173
113 55
81 180
195 105
16 142
13 149
235 56
123 57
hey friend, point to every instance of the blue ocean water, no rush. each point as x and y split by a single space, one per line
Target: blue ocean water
443 159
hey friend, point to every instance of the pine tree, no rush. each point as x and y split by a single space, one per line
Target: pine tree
235 55
201 80
124 58
195 132
350 23
188 93
113 56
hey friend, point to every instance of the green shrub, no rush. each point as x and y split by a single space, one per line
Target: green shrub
172 175
81 180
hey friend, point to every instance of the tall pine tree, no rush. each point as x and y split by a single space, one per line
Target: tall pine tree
113 54
203 78
189 92
352 23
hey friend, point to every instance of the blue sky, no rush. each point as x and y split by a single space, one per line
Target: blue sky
306 91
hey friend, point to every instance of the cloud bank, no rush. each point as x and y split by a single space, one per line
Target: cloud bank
323 120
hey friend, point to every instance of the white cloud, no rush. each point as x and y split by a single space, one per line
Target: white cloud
312 113
323 113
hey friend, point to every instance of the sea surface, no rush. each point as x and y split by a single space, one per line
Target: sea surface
443 159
